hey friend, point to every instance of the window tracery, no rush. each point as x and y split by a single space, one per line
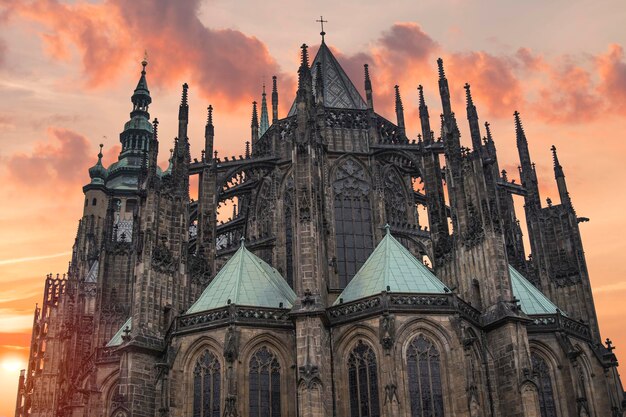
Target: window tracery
206 386
545 390
353 219
264 378
395 199
424 374
363 382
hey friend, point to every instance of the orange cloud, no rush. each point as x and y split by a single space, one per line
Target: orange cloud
495 85
569 95
225 64
612 70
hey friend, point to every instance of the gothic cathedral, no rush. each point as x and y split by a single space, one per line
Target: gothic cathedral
323 293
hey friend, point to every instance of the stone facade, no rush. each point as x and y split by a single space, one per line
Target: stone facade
311 197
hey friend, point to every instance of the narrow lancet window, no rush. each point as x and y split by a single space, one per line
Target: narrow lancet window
363 382
424 373
546 393
206 386
353 220
264 384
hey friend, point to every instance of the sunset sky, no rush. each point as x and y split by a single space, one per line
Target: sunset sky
67 70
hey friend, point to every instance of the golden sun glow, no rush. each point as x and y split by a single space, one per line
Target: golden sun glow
12 364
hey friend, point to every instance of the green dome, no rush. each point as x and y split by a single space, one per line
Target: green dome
98 172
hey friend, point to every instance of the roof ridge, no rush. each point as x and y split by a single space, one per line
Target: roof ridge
243 251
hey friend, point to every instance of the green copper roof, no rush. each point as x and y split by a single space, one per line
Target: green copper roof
532 300
391 265
245 280
117 340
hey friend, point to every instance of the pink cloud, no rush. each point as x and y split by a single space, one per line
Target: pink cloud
611 68
61 160
224 64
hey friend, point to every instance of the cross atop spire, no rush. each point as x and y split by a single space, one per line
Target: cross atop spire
321 22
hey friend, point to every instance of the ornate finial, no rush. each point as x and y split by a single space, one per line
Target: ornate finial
247 149
319 80
209 120
321 22
442 73
468 95
255 115
518 123
155 126
183 101
420 90
304 60
504 176
264 89
387 229
274 88
399 105
144 63
609 345
549 201
100 153
558 169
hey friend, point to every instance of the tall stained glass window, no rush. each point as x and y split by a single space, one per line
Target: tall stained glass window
424 373
206 386
264 384
546 393
353 219
363 382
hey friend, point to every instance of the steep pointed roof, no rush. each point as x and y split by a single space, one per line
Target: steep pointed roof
339 91
391 267
92 275
117 340
531 299
245 280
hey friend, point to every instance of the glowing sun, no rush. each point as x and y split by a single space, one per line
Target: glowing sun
12 364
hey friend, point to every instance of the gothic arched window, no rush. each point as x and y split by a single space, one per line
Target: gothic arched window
395 199
288 209
264 384
424 372
353 219
363 382
206 386
546 393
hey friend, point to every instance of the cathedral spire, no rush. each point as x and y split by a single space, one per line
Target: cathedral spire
183 114
209 134
154 148
489 143
141 96
254 125
444 90
305 81
472 117
399 110
264 116
528 175
368 88
319 84
424 117
274 100
560 179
